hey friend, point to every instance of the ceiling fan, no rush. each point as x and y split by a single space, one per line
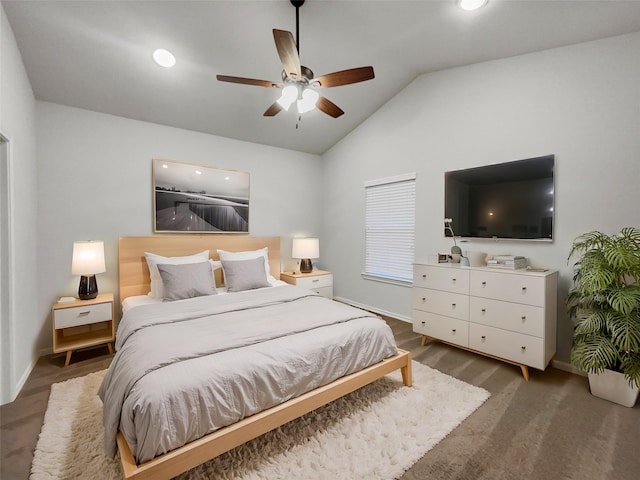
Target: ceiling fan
298 82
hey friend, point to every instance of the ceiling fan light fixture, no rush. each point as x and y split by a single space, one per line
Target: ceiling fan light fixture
470 5
289 95
308 101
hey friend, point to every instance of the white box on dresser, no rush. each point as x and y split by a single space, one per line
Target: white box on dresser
505 314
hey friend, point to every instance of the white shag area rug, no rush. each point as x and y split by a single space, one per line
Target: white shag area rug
377 432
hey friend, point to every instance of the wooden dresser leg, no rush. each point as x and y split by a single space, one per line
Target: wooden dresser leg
423 340
525 372
68 359
110 345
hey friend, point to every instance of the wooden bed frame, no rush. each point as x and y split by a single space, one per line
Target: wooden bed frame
134 280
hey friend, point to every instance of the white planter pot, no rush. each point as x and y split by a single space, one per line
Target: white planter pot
614 387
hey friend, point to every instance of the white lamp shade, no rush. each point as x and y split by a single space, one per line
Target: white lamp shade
289 95
308 101
305 248
88 258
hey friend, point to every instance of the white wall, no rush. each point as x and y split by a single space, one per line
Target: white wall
17 124
94 182
581 103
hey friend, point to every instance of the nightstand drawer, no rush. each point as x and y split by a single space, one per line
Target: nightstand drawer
74 316
315 282
324 291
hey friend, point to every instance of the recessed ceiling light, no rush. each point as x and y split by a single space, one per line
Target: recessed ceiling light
164 58
471 4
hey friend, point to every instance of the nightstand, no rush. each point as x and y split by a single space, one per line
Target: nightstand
319 281
83 323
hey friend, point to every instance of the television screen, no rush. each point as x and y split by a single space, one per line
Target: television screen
505 200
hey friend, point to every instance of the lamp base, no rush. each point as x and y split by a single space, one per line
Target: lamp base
305 265
88 288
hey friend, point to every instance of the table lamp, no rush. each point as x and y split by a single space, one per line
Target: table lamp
88 259
305 249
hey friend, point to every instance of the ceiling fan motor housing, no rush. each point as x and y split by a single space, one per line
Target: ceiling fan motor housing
307 75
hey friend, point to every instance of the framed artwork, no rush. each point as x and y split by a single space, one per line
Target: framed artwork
189 198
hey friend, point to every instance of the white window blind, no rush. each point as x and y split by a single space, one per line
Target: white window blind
390 206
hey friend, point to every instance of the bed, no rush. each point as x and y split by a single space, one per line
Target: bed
266 355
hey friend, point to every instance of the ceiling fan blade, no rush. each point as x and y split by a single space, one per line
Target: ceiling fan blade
274 109
345 77
248 81
288 52
327 106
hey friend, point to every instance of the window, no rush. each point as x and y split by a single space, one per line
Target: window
390 211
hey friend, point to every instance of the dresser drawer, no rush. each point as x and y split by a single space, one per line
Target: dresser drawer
447 329
316 281
448 304
74 316
519 288
517 347
516 317
449 279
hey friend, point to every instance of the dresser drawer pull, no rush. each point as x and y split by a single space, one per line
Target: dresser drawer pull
524 317
316 280
453 280
523 348
423 322
483 337
483 310
84 314
453 305
453 330
484 284
424 275
524 289
424 299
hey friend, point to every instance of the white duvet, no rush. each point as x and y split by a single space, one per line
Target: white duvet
185 369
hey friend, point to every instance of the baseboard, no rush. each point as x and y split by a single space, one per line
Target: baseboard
369 308
15 389
567 367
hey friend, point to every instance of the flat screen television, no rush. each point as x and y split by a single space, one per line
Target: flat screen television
512 200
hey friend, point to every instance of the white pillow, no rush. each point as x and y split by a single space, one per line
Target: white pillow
226 256
157 289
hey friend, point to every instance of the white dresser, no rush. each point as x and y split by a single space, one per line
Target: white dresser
505 314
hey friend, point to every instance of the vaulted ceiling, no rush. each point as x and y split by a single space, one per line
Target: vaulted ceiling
96 55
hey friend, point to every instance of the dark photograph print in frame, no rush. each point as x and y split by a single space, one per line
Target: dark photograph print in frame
190 198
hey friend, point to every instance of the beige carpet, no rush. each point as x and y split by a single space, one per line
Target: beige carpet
377 432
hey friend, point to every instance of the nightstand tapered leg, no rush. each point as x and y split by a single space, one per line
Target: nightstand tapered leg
68 359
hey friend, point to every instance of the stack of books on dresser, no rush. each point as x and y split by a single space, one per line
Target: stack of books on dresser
507 262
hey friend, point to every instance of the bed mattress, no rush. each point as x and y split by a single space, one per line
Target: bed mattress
185 369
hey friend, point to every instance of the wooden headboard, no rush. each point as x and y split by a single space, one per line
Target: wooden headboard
133 273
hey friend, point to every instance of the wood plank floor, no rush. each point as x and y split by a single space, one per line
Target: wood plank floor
550 427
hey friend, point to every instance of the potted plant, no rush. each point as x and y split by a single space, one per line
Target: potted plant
604 305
